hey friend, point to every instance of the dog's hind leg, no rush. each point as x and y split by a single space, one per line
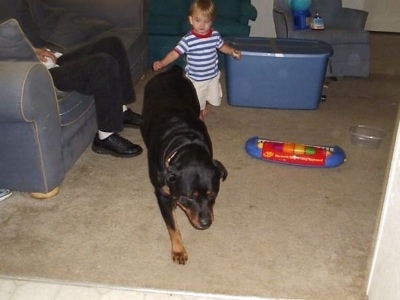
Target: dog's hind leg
168 211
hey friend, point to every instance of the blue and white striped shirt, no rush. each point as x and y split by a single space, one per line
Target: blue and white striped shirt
201 54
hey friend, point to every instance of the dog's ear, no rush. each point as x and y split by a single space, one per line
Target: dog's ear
223 172
171 175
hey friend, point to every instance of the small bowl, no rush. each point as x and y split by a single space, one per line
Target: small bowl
366 136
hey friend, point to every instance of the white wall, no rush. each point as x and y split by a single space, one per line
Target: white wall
359 4
384 281
264 24
383 15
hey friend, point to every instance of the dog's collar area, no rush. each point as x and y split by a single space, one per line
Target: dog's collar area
170 157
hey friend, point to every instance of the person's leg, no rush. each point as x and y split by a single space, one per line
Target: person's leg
114 47
99 75
201 91
213 93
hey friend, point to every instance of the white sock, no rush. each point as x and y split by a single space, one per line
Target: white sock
124 107
103 134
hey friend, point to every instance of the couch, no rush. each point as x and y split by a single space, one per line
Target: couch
45 131
168 22
344 30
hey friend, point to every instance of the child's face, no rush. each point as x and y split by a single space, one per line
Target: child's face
201 24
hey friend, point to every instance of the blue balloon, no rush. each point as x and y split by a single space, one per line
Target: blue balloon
299 5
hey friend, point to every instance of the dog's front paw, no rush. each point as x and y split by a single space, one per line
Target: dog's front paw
180 257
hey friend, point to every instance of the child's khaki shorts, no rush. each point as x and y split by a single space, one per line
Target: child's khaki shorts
208 91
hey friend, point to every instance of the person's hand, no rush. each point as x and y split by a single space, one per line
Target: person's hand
45 54
236 54
157 66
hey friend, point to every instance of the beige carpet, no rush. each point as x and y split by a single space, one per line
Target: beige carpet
280 231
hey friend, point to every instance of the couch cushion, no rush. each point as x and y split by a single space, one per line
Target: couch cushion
14 44
225 26
326 6
232 10
165 24
230 27
161 45
72 106
170 7
62 28
129 36
328 9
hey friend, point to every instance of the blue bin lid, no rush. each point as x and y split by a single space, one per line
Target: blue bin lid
280 47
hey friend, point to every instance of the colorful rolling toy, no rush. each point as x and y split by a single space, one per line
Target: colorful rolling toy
295 154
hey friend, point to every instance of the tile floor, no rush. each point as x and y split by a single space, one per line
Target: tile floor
20 289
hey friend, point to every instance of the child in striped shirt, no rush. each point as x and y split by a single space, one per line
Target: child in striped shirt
201 45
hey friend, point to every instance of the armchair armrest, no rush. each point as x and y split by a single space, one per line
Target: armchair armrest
28 94
351 18
283 20
247 12
29 121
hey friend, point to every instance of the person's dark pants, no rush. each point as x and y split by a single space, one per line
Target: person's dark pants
100 69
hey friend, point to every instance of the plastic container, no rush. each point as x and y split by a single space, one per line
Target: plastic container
366 136
300 19
317 22
276 73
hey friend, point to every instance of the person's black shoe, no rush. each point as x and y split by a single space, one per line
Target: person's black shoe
132 119
116 145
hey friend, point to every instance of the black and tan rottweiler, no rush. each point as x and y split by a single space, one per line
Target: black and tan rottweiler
180 159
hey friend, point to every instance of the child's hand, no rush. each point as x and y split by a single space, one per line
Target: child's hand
236 54
157 66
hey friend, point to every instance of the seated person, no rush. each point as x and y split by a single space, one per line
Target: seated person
100 69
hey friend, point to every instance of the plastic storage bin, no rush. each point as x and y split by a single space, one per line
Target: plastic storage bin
276 73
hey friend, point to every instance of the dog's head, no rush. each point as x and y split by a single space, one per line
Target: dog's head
193 182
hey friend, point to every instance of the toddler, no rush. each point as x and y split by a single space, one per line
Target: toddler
201 45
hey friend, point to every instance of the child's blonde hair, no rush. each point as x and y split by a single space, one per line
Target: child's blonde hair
207 7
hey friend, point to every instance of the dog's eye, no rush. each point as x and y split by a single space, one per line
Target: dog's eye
194 195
